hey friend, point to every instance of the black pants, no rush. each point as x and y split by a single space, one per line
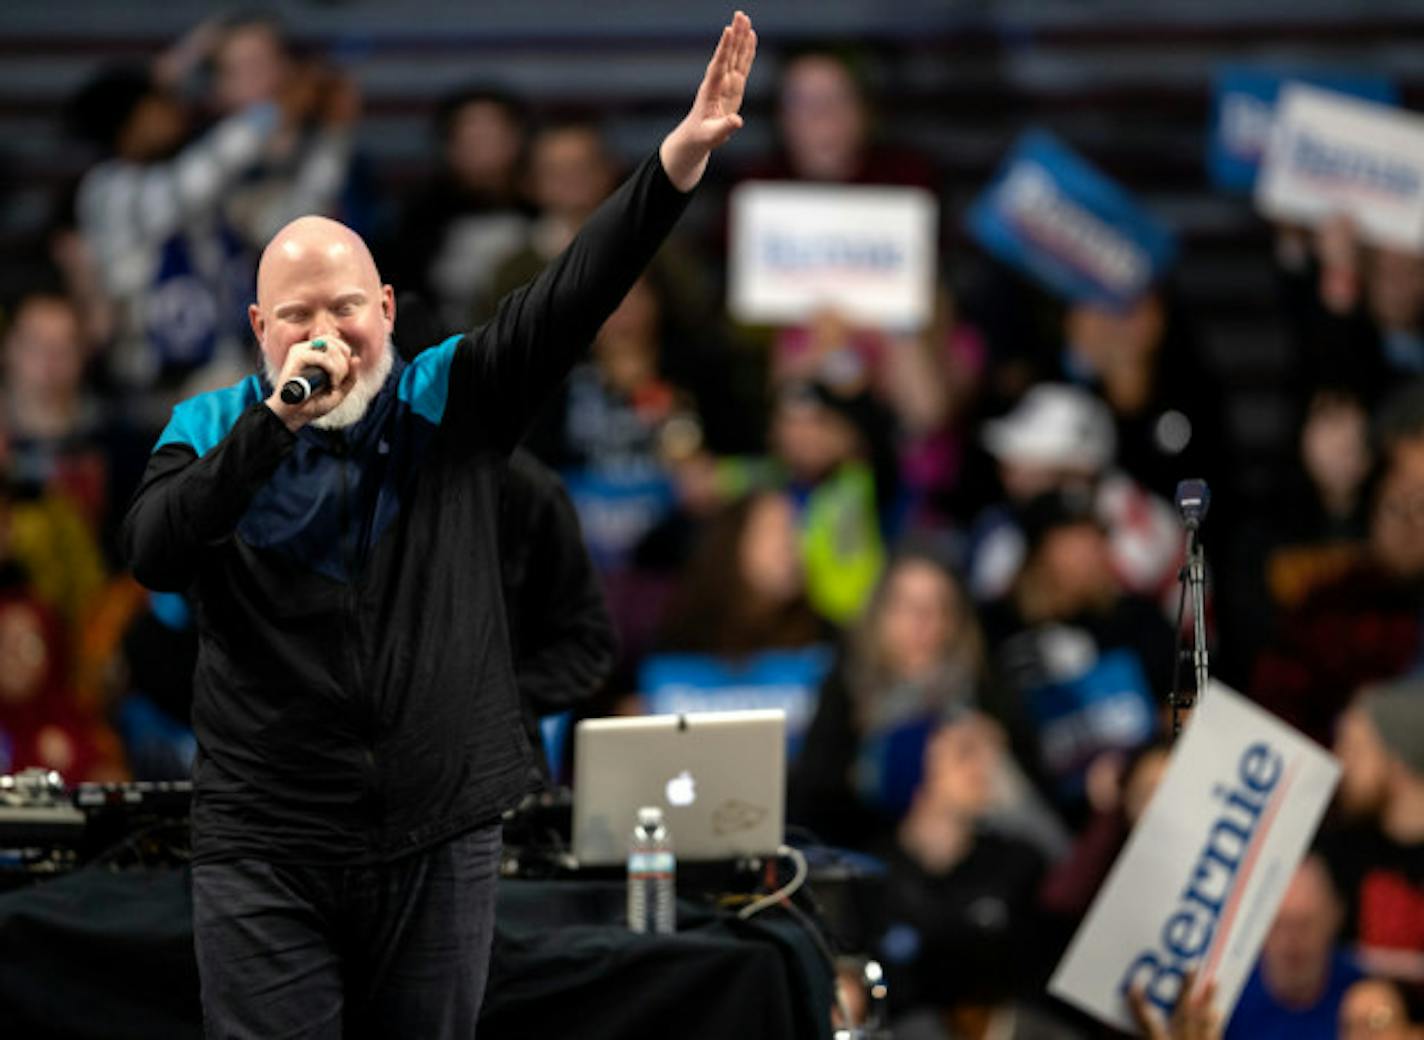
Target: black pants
397 950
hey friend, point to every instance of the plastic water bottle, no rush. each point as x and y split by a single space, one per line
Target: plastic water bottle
652 876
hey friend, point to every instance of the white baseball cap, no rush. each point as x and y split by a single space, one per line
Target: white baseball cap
1054 424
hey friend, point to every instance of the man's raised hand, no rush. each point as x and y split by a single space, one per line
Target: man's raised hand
716 111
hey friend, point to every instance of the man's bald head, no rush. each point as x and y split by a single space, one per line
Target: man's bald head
304 244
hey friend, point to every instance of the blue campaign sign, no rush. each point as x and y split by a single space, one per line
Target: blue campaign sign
616 510
787 679
1243 111
1109 706
1053 216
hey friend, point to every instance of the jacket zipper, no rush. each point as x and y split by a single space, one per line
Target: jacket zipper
363 702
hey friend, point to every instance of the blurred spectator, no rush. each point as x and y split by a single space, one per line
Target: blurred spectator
70 254
41 726
1396 302
305 165
1357 310
1061 438
1364 624
827 453
1310 534
1166 405
926 381
1299 982
252 62
827 447
744 590
959 900
1374 1009
1085 665
1378 860
620 426
458 227
1120 797
931 382
1330 505
61 438
570 172
913 661
152 214
829 131
42 723
48 537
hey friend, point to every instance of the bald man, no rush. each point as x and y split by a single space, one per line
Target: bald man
358 722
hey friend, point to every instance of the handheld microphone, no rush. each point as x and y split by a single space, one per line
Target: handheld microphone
313 380
1193 500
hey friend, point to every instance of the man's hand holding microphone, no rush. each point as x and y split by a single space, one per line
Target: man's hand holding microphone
316 377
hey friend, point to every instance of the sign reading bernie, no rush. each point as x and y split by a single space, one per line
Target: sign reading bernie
1203 873
1243 114
1336 155
867 252
1053 216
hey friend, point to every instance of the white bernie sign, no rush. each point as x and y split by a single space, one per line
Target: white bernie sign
1334 154
868 252
1203 873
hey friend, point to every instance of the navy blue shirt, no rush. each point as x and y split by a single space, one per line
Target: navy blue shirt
1259 1016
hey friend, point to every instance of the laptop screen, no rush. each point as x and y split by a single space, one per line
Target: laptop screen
719 778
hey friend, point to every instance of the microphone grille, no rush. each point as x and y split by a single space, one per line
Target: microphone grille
1193 500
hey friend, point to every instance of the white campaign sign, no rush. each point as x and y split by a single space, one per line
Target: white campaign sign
1333 154
1205 869
868 252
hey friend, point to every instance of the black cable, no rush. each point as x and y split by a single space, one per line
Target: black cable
131 843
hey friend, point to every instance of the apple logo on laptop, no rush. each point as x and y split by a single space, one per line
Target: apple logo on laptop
681 789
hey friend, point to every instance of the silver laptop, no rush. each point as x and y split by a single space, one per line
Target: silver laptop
719 778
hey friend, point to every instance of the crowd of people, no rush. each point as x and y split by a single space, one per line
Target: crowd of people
959 540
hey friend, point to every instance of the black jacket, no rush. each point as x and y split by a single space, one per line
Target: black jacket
559 626
354 699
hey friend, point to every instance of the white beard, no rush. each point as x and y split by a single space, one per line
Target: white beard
353 406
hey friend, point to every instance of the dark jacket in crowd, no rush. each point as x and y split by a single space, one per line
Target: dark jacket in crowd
1362 627
820 793
966 935
559 626
355 699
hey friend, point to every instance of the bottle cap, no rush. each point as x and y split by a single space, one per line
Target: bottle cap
649 816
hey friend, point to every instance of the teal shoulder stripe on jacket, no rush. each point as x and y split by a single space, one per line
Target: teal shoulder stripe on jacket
425 383
200 422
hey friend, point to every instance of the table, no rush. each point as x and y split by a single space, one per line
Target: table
110 955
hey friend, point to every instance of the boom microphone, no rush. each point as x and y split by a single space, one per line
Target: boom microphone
313 380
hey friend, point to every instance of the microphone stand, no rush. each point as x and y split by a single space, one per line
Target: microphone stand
1193 577
1196 577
